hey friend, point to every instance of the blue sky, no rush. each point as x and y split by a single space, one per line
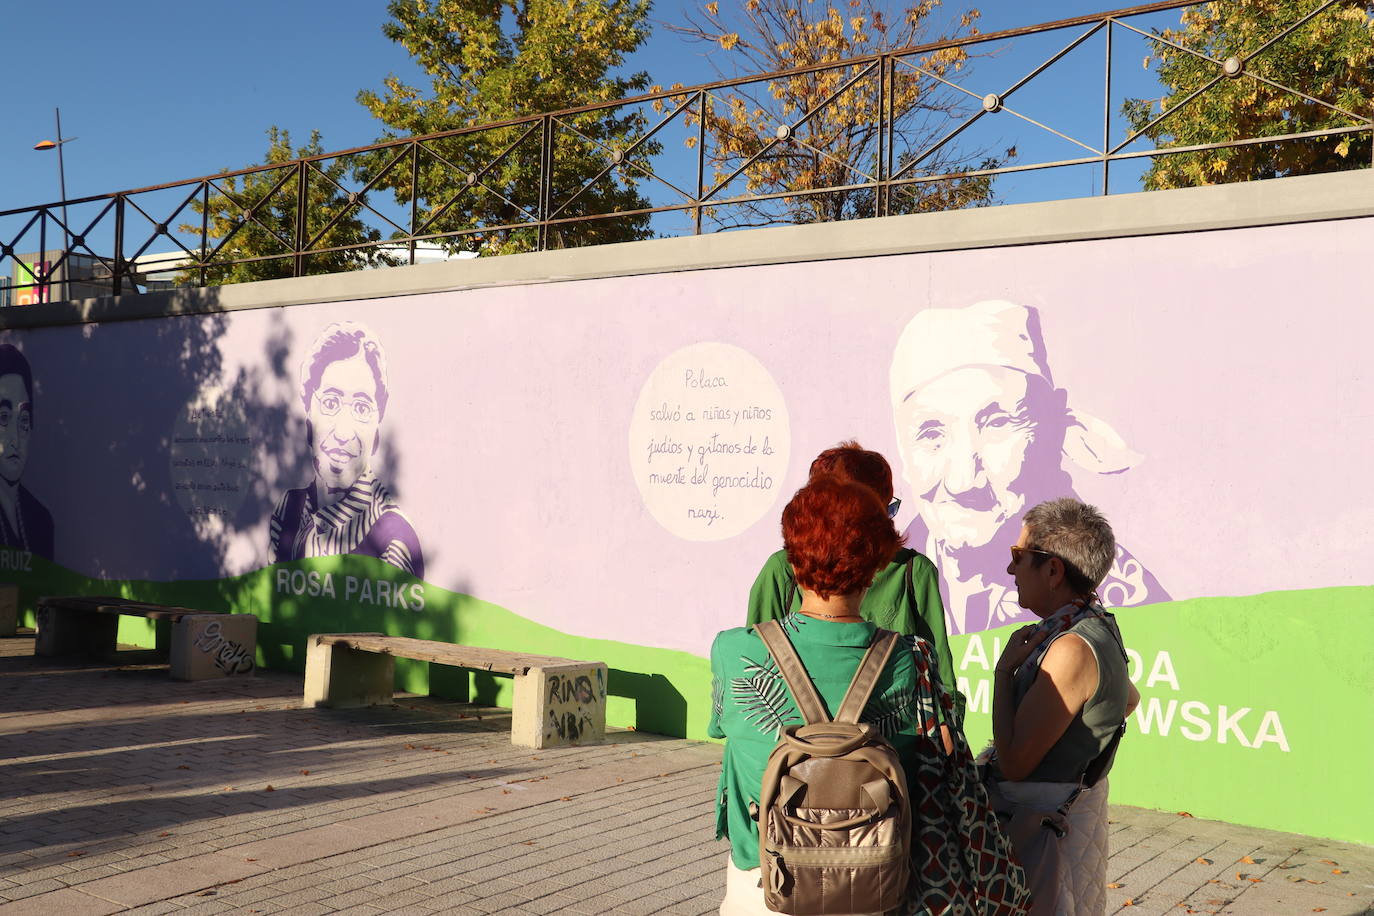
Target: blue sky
161 90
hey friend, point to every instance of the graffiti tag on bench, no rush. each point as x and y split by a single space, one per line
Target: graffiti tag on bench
229 656
576 705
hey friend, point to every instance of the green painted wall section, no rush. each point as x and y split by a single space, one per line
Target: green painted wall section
652 690
1231 725
1254 710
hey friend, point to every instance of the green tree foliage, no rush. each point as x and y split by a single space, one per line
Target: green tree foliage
838 144
490 61
255 216
1330 58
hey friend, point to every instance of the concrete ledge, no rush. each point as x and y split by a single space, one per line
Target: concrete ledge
1340 195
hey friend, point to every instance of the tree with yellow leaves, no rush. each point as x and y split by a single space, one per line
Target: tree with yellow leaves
791 135
489 61
1318 75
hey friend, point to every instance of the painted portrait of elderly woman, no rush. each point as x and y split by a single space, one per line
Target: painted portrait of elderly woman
984 434
345 509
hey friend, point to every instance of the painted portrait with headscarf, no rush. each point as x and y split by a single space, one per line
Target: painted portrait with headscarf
984 434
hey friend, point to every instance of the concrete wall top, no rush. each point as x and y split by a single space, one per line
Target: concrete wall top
1339 195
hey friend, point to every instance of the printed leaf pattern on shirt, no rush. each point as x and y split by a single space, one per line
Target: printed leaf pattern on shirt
762 697
891 712
717 698
791 622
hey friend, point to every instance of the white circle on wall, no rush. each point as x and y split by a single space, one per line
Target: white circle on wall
211 460
709 441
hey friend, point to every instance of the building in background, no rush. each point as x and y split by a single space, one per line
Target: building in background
37 277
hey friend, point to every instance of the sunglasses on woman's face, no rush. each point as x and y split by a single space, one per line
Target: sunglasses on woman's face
892 507
1016 552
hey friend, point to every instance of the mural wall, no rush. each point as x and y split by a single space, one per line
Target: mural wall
596 469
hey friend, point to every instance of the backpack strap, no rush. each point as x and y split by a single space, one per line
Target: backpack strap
793 671
866 678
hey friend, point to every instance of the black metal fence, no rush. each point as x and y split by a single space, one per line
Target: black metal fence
887 133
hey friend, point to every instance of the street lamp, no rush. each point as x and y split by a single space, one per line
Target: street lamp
62 182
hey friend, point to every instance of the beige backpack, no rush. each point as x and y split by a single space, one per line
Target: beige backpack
834 813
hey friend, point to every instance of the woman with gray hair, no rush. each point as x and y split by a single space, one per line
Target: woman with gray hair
1061 696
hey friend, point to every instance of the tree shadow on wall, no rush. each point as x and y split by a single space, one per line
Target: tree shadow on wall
162 445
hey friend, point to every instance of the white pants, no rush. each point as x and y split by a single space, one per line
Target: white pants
743 892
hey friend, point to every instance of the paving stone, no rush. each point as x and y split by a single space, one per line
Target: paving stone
351 899
476 826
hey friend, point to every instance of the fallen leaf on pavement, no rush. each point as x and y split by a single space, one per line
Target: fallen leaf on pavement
1337 871
165 833
1201 861
1329 862
1114 885
1184 814
1128 902
1319 909
269 789
305 772
1246 860
75 853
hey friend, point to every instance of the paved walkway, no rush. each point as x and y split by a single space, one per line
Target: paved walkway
121 790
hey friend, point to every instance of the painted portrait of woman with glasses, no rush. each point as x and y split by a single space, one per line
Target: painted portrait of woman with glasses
345 509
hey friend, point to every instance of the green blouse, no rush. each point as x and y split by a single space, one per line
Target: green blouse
909 604
751 703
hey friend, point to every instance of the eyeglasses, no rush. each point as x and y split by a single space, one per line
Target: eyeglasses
362 409
1016 552
893 506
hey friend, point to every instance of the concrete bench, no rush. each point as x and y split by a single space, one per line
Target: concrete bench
558 701
202 645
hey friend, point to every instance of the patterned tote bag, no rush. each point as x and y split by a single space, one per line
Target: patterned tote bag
962 861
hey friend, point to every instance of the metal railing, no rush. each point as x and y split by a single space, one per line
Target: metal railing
321 213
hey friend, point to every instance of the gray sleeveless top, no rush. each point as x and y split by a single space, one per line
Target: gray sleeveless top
1091 730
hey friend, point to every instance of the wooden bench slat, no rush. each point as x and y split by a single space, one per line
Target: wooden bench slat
446 653
105 604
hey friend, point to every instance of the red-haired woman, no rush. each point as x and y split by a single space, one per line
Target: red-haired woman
837 535
905 595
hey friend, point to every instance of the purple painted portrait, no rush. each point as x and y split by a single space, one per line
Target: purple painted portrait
25 523
984 434
345 509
